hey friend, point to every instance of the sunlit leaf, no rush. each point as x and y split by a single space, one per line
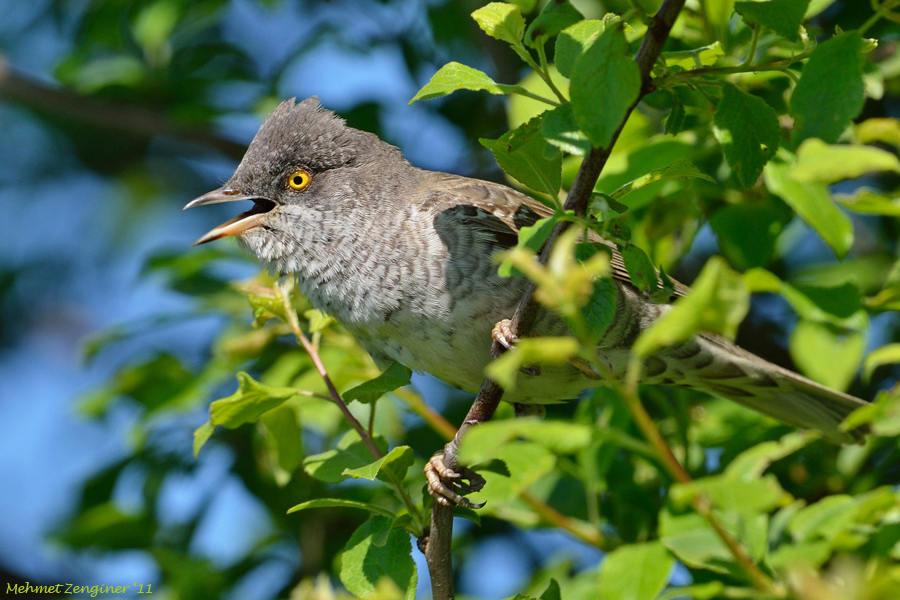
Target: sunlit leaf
501 21
455 76
364 562
717 303
599 108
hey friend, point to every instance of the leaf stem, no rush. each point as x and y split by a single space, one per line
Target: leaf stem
291 314
881 12
335 397
704 508
751 56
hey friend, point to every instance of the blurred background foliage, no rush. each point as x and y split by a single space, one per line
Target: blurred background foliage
115 336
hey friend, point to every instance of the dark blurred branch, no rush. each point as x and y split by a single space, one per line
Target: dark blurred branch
439 557
28 91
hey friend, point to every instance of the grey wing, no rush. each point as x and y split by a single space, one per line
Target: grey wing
505 211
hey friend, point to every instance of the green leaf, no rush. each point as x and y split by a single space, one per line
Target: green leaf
691 538
527 463
555 17
572 41
501 21
482 444
395 376
831 91
560 129
521 153
640 270
680 170
716 303
746 497
825 163
748 231
600 308
250 401
705 56
391 467
635 572
202 435
676 117
747 129
882 415
781 16
531 237
601 108
342 503
886 355
552 592
698 591
329 466
826 354
155 23
870 203
838 305
283 438
752 463
364 562
530 351
813 204
455 76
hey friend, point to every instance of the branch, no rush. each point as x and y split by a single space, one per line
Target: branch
438 556
28 91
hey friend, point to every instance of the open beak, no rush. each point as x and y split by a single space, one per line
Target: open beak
237 225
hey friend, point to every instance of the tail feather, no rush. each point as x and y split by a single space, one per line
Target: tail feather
714 365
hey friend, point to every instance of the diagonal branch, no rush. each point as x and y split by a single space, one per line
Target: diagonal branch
438 551
28 91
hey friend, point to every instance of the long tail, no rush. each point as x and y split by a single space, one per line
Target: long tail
716 366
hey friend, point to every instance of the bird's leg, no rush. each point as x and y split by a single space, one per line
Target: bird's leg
447 480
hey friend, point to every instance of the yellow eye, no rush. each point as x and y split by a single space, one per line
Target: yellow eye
299 179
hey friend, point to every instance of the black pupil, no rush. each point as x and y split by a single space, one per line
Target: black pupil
298 180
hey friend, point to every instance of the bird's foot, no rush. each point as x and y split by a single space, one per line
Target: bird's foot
506 337
446 485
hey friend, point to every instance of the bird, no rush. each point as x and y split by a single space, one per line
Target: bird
403 257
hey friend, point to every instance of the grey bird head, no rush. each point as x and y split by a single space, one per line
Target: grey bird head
305 171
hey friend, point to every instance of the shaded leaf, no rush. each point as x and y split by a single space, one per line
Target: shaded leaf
554 17
364 562
831 91
747 129
521 153
635 572
395 376
560 129
781 16
680 170
392 467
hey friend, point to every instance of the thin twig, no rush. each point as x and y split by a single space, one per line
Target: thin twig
18 87
294 323
335 397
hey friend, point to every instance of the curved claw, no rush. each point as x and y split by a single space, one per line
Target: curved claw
445 484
